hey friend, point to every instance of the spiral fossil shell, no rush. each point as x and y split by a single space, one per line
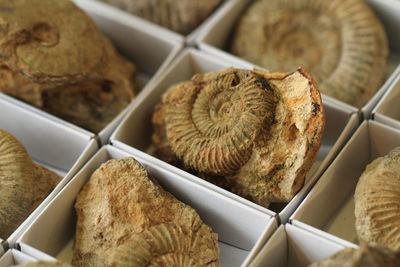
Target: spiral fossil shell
178 15
377 201
121 202
341 43
23 184
53 56
252 132
365 256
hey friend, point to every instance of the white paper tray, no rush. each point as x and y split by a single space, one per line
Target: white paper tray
53 145
328 210
293 246
134 132
215 39
14 257
241 230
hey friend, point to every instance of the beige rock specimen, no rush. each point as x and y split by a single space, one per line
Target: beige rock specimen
45 264
53 56
123 208
181 16
377 202
365 256
340 42
251 132
23 184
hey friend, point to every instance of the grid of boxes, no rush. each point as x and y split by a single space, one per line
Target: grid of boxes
316 223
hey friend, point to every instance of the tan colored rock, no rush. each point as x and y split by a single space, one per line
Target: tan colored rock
341 43
53 56
365 256
120 203
377 202
182 16
45 264
23 184
254 133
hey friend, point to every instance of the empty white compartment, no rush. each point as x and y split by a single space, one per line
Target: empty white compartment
14 257
291 246
215 40
329 207
50 144
241 230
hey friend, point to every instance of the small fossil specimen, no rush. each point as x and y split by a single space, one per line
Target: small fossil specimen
23 184
121 205
53 56
377 202
365 256
178 15
45 264
341 43
254 133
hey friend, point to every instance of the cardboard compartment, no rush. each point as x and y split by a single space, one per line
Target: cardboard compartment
50 144
13 257
329 207
387 110
216 38
293 246
134 132
241 230
150 48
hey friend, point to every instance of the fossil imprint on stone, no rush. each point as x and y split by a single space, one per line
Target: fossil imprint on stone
120 204
23 184
54 57
377 201
341 43
251 132
182 16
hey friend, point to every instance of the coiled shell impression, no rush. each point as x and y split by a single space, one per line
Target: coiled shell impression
377 202
23 184
121 202
181 16
364 256
45 264
341 43
252 132
53 56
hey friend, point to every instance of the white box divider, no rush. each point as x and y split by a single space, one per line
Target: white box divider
241 230
215 39
328 210
387 110
134 132
53 145
14 257
293 246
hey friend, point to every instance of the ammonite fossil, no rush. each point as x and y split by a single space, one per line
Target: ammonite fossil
181 16
23 184
254 133
341 43
364 256
377 201
121 202
45 264
53 56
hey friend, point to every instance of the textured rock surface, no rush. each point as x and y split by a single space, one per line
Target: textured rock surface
181 16
121 203
365 256
341 43
44 264
23 184
377 201
53 56
254 133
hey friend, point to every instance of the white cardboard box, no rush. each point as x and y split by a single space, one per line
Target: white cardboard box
53 145
329 207
215 39
242 230
293 246
150 48
387 111
13 257
134 132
